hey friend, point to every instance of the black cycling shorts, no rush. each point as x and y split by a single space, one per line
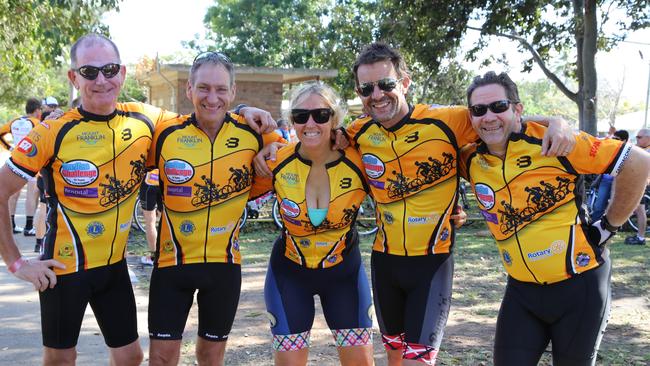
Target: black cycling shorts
171 295
571 314
110 294
290 288
150 197
412 295
40 184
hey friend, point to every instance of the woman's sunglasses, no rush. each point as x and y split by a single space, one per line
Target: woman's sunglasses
385 84
320 115
499 106
91 72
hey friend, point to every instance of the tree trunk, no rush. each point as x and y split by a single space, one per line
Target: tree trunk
589 119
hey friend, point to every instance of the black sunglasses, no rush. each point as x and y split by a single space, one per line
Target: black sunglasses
320 115
212 54
385 84
499 106
91 72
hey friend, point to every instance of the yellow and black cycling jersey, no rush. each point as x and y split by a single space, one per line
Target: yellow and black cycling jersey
532 204
92 166
411 170
325 245
205 187
18 128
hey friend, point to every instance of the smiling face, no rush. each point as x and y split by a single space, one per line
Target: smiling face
495 128
312 134
98 96
385 107
211 93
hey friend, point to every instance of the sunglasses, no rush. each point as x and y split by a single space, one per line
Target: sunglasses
640 137
91 72
212 55
319 115
385 84
500 106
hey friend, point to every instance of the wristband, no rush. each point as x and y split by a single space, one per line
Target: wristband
15 266
607 225
239 107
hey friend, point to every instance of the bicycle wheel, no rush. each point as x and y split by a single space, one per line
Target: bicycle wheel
277 219
366 223
632 220
138 216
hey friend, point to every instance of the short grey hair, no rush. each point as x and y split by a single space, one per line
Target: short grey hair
88 40
213 58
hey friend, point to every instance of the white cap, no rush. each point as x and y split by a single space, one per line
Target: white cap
50 101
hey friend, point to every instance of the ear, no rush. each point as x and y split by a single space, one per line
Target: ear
233 89
72 76
123 73
406 83
519 110
188 90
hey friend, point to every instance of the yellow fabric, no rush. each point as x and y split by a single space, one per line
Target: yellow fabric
93 166
532 206
411 169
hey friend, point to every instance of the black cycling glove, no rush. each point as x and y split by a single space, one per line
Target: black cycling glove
601 231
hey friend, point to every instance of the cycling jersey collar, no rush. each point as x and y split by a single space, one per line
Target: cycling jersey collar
97 117
308 162
401 122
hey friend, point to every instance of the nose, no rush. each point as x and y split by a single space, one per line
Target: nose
376 92
100 79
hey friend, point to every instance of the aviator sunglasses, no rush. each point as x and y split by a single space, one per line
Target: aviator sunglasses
91 72
385 84
320 115
499 106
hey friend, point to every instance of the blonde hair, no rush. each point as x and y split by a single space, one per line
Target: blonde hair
329 95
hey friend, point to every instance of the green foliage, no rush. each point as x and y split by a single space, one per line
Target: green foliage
132 90
34 37
541 97
293 34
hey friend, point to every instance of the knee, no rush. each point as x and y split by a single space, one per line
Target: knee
53 356
132 356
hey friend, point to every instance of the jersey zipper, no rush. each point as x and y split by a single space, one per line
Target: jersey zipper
117 205
399 163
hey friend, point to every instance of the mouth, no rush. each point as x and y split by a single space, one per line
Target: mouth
311 133
492 128
381 103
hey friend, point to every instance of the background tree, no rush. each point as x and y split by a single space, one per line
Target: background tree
431 29
34 37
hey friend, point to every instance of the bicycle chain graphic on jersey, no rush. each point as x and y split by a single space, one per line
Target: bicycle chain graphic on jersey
239 180
348 216
540 199
427 172
117 189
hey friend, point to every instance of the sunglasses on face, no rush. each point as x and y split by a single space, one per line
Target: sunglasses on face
319 115
640 137
500 106
212 55
91 72
385 84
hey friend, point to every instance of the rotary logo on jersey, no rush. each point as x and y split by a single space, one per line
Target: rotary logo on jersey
289 208
178 171
374 166
485 195
79 172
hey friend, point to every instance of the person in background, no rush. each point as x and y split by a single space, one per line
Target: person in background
642 141
558 264
605 183
151 203
19 128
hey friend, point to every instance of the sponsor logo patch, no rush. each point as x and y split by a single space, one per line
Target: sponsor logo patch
290 178
91 137
289 208
187 227
180 191
373 165
490 217
445 234
556 247
80 192
304 243
189 141
582 260
507 259
95 229
594 148
27 147
178 171
376 183
388 217
376 138
485 195
79 172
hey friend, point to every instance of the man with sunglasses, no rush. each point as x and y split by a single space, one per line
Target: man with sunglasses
204 162
93 160
558 287
642 141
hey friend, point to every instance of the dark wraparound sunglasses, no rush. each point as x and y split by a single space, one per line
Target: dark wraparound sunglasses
385 84
91 72
320 115
212 54
499 106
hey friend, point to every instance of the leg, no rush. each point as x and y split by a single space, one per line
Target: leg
31 198
150 228
520 337
356 355
164 352
210 353
642 219
59 357
129 355
291 358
